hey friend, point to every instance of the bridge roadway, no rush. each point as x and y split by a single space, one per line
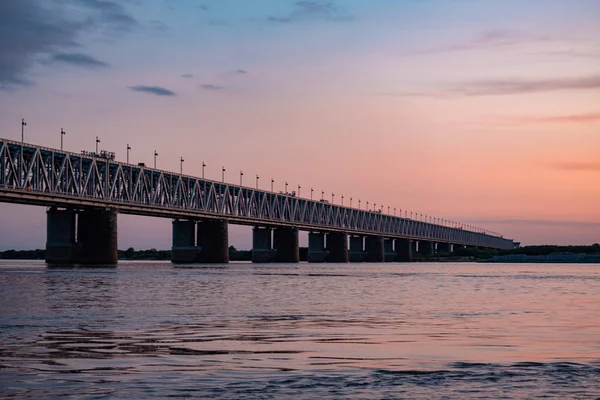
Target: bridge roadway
84 193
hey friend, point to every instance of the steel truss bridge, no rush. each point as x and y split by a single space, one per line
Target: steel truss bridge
31 174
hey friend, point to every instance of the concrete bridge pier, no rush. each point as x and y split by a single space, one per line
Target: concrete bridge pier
388 250
97 236
262 245
61 247
357 250
316 247
337 244
403 250
286 245
213 241
374 248
426 248
457 247
183 248
443 248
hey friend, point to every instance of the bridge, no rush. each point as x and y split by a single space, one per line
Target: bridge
84 193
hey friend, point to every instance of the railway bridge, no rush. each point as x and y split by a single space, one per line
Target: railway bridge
85 191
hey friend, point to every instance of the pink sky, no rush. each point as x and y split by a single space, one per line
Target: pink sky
480 114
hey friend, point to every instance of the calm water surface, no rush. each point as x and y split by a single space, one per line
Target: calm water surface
150 330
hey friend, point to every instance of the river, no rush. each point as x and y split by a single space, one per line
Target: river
152 330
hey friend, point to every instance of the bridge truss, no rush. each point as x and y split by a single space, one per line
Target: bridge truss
33 174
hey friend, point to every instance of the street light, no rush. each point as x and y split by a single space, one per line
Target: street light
342 200
299 187
23 124
181 166
322 194
389 211
62 133
241 174
286 187
203 166
97 141
272 182
155 155
350 201
257 181
311 193
332 196
128 148
359 204
223 174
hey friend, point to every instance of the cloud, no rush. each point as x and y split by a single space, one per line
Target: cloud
240 72
577 166
499 87
211 87
312 10
573 119
79 60
188 76
491 39
155 90
158 25
33 28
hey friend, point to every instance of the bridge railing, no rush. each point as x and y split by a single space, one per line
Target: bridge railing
46 172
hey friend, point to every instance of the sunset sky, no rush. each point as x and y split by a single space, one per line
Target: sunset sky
479 111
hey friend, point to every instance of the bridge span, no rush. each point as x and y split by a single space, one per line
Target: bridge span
85 192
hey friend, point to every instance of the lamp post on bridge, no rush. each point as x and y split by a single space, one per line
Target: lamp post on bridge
311 193
322 194
332 197
272 182
181 166
222 174
257 180
342 200
128 148
299 187
155 155
359 204
23 124
367 206
286 184
97 142
203 166
389 211
62 134
241 175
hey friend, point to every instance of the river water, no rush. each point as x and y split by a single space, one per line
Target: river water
150 330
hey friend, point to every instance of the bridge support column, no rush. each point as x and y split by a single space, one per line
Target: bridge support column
262 245
374 248
425 248
457 247
316 247
403 250
183 248
357 250
337 244
286 245
60 236
213 241
443 248
388 250
97 236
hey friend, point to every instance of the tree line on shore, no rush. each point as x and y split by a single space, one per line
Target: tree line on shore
245 255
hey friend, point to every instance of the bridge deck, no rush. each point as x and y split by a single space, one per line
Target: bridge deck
37 175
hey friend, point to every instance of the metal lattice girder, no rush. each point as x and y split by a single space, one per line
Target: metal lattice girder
37 175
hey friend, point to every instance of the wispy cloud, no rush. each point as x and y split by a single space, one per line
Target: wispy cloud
33 28
577 165
239 72
491 39
312 9
208 86
155 90
188 76
79 60
567 119
499 87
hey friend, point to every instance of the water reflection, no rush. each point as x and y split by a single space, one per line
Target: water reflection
151 330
